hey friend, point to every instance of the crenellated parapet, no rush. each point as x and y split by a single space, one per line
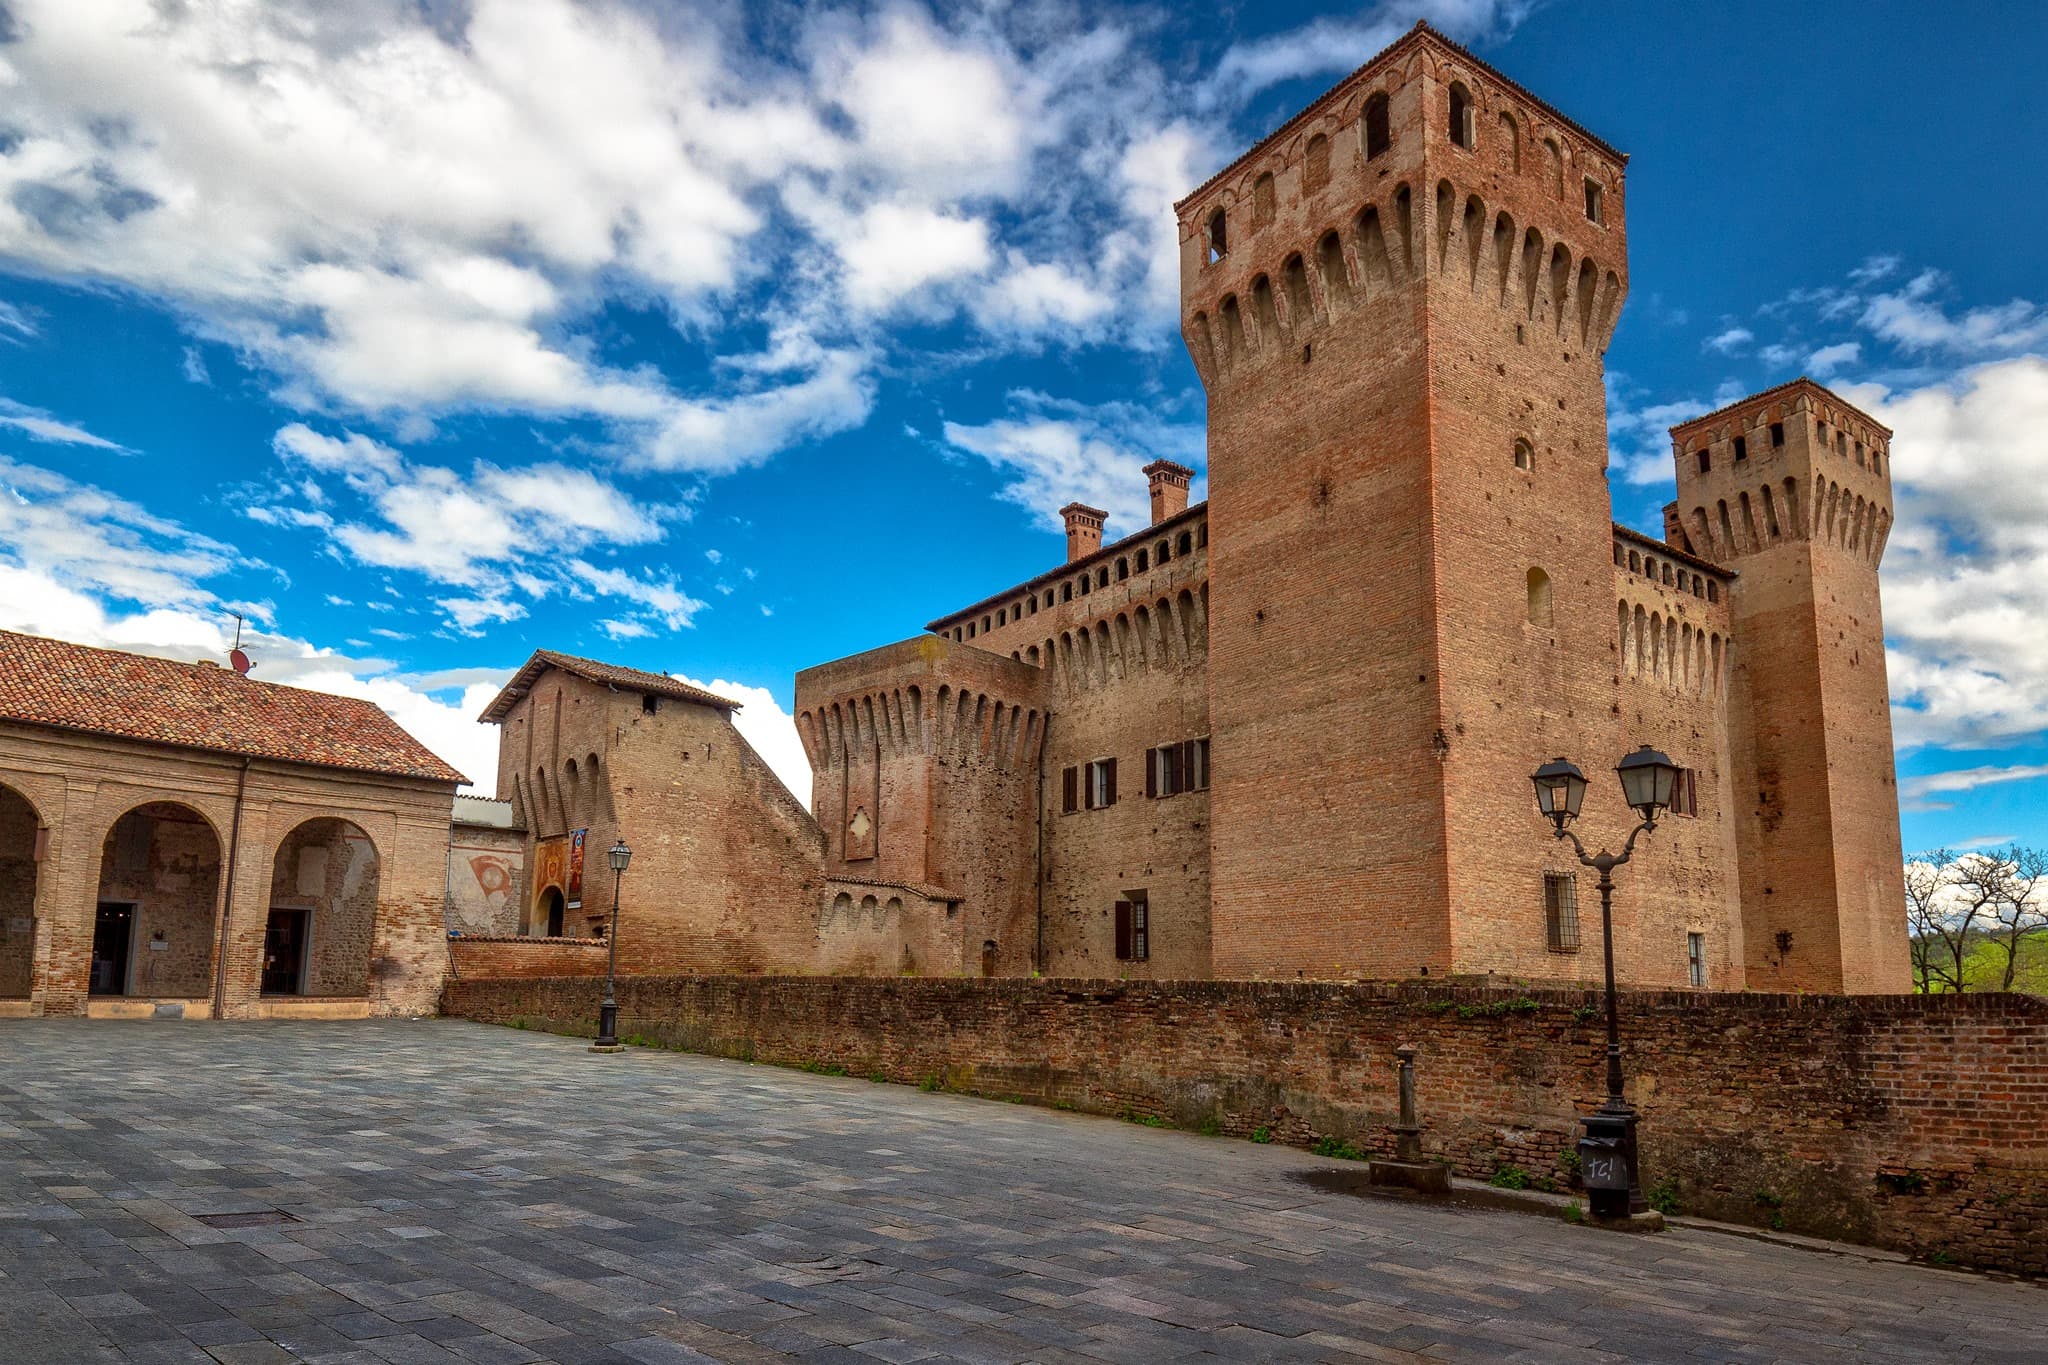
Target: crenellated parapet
922 697
1425 163
1794 463
1672 623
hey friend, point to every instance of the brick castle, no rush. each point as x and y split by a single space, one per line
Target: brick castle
1288 732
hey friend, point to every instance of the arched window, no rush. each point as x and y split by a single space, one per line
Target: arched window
1262 200
1379 128
1186 545
1510 144
1144 560
1539 598
1066 592
1330 265
1461 115
1525 455
1123 568
1315 164
1219 236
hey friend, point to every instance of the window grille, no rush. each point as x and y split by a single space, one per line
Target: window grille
1561 910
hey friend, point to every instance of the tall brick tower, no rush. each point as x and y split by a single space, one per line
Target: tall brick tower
1792 489
1398 304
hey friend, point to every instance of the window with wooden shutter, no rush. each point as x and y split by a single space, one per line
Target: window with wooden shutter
1109 781
1123 931
1133 928
1194 765
1070 790
1685 793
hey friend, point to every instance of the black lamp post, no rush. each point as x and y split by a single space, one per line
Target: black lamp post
608 1013
1607 1154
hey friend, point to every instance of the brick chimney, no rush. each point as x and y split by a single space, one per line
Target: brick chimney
1169 488
1084 530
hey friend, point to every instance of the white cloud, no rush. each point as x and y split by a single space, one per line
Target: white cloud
894 250
1060 452
1966 570
1330 47
770 729
41 426
1912 319
193 367
1875 268
1730 340
1828 359
14 320
56 530
1967 779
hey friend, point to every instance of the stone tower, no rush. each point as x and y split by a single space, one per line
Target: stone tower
1398 304
1792 489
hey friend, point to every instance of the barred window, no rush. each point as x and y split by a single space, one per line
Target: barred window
1696 959
1561 910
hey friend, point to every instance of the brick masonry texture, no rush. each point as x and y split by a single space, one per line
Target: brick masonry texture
1404 592
1907 1122
522 956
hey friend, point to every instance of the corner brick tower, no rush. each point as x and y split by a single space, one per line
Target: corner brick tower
1398 304
1792 490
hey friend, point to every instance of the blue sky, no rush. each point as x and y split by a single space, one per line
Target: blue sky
724 340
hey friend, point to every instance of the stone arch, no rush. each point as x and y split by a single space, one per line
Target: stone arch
1503 253
1233 330
1560 283
1265 316
1510 144
160 880
325 881
1300 305
1621 624
21 835
1315 164
1375 261
1532 270
1588 290
1641 635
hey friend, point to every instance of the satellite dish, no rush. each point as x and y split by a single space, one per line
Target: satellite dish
241 661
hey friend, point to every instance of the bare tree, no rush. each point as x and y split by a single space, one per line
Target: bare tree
1948 900
2017 909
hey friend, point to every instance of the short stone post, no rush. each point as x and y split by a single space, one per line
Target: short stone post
1408 1171
1407 1133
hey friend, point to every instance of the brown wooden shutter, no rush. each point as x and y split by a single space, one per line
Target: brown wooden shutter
1123 931
1109 782
1152 772
1070 784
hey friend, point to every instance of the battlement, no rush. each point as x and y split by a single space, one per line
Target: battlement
1794 463
1425 162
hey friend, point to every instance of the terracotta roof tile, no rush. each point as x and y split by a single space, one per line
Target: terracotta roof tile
201 706
613 675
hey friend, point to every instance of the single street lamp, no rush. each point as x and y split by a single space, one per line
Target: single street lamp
1607 1154
608 1013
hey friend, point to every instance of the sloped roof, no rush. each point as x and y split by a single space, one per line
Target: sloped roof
612 675
201 706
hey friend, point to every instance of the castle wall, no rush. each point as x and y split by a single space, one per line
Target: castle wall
1802 515
725 871
1328 842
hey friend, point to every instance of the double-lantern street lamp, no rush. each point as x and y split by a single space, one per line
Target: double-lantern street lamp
1607 1153
608 1013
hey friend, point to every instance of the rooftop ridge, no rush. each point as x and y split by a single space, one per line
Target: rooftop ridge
1670 551
1414 37
1801 382
996 598
596 670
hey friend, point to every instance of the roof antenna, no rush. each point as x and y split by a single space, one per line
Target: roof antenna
242 663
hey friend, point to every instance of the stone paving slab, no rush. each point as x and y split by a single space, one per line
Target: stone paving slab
455 1194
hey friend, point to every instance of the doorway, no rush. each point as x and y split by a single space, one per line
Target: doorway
552 907
113 934
284 952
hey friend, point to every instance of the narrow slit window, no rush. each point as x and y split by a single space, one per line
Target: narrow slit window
1596 206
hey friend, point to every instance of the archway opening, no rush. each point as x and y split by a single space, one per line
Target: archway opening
19 835
159 893
323 911
548 914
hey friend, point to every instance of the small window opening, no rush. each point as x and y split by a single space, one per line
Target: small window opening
1461 116
1685 793
1596 208
1561 911
1696 959
1706 461
1219 237
1741 448
1099 783
649 703
1379 130
1539 598
1525 455
1133 928
1777 434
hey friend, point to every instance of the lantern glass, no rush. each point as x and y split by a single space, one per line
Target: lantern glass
1560 787
1648 779
619 856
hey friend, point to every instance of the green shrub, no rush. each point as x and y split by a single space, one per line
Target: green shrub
1663 1196
1262 1134
930 1083
1211 1127
1336 1147
1509 1178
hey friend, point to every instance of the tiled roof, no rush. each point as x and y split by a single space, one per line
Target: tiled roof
201 706
612 675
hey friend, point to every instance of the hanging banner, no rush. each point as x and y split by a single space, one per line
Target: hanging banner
574 887
551 865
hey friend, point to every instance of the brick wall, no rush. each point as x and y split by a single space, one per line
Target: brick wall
516 957
1903 1121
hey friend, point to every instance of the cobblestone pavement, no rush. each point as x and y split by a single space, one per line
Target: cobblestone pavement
460 1193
